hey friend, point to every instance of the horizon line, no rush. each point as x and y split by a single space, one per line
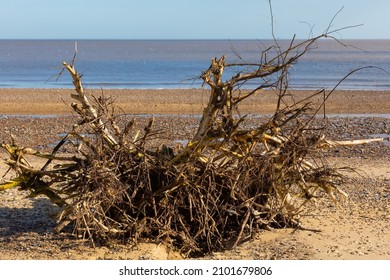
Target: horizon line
175 39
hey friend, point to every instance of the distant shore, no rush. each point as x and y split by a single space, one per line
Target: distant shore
31 101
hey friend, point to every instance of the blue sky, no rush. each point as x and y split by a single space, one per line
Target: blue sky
185 19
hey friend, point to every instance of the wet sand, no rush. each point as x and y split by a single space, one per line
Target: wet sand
183 101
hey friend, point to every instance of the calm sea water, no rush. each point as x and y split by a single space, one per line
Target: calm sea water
176 64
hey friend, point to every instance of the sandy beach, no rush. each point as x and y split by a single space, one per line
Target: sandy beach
358 229
182 101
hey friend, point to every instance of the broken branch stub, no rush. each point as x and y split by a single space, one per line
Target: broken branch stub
87 112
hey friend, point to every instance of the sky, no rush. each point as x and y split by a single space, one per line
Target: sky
196 19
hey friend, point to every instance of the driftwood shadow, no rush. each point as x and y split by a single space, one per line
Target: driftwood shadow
40 218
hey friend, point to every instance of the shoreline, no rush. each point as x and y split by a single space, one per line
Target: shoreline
35 101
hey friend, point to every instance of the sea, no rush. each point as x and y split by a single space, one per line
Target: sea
167 64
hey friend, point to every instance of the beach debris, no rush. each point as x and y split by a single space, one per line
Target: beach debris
227 182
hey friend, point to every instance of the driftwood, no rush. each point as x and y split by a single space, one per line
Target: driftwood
333 143
228 182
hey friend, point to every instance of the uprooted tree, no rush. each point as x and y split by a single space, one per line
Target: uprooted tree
227 182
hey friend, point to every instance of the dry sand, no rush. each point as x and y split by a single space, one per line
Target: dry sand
358 229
